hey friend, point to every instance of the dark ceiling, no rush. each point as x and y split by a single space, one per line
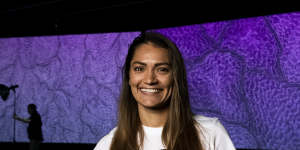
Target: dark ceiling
57 17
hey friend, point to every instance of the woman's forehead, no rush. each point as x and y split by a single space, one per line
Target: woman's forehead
149 52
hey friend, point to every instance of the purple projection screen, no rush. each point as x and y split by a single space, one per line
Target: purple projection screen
246 72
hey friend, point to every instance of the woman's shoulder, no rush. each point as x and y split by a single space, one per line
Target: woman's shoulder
215 134
210 123
210 126
105 141
207 121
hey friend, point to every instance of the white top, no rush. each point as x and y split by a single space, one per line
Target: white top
214 136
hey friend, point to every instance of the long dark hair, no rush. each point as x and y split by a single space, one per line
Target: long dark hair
180 131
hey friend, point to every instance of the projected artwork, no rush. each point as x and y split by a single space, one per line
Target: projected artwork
246 72
74 80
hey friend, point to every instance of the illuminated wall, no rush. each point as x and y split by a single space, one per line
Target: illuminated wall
245 72
74 80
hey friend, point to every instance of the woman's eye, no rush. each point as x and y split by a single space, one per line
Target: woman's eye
138 69
163 70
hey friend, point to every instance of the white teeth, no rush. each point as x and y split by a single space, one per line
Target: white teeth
150 90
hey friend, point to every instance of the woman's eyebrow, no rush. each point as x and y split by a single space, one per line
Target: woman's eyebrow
144 64
163 63
138 63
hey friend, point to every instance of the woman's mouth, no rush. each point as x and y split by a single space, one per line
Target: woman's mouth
150 90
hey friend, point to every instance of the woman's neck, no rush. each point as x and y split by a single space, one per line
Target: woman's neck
153 117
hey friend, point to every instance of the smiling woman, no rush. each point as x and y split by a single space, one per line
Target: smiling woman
154 109
150 77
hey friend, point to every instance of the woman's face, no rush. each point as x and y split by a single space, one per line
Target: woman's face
150 76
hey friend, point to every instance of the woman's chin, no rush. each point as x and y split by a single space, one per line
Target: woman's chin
154 105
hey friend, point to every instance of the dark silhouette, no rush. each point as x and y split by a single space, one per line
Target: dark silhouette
4 90
34 129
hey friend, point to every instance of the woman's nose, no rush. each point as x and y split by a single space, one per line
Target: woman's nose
150 77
